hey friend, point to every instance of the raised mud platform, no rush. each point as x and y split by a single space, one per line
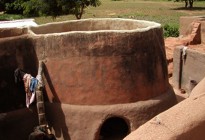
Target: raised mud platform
97 72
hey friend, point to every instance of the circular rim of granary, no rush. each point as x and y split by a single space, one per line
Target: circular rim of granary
145 26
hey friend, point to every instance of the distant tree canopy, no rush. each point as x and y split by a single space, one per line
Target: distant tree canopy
52 8
2 4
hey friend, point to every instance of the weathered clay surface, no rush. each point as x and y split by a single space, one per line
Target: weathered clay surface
15 52
18 124
76 122
90 25
11 32
90 74
184 121
112 73
199 89
113 66
66 119
192 68
191 36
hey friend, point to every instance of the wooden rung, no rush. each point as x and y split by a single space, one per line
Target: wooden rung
42 119
41 110
39 98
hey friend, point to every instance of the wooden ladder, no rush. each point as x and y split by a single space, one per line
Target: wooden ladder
40 101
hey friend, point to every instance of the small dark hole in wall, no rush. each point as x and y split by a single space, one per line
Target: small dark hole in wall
114 128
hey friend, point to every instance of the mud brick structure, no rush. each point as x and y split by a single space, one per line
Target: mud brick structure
184 121
193 26
186 55
189 57
188 71
103 77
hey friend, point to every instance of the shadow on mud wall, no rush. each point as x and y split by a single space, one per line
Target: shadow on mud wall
15 53
54 112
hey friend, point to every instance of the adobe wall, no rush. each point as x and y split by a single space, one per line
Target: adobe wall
103 24
192 68
15 52
78 122
185 26
12 32
111 66
90 74
184 121
18 124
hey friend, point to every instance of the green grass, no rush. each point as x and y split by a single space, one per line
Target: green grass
10 17
161 11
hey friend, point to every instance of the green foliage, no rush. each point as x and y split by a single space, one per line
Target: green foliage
27 8
171 30
77 6
2 5
14 7
4 17
31 8
52 8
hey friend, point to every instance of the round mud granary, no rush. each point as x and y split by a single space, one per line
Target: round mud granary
100 68
104 61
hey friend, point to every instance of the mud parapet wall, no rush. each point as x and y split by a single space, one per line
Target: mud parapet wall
187 26
12 32
90 25
184 121
188 69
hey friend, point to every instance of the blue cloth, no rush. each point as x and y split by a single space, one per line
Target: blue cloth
33 84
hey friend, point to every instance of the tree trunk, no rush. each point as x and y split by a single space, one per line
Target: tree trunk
186 3
191 3
80 13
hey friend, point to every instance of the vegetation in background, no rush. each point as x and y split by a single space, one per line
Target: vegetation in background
171 30
54 8
76 7
4 17
161 11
